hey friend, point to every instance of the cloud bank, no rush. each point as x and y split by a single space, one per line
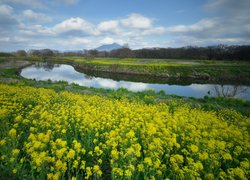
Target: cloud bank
32 28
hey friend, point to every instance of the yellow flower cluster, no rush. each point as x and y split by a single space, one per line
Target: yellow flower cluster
49 135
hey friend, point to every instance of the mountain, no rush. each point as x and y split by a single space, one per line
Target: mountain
108 47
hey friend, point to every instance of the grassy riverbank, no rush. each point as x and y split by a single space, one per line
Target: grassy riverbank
200 71
203 70
10 74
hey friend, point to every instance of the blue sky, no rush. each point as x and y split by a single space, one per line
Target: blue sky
86 24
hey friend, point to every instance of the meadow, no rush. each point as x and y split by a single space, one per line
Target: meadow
203 70
46 134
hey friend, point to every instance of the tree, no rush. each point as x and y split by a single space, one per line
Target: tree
21 53
122 53
34 52
46 52
6 54
93 52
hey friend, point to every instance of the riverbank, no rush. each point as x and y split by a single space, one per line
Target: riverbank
180 71
160 70
11 76
171 70
148 97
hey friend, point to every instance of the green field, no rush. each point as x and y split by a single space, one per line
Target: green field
208 71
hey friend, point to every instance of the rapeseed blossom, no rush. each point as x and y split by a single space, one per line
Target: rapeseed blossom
50 135
15 152
12 133
71 154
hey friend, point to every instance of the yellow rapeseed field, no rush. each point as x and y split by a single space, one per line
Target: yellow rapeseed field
50 135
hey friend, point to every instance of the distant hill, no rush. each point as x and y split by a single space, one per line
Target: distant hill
109 47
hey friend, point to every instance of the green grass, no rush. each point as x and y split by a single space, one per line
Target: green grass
211 71
9 73
157 62
202 70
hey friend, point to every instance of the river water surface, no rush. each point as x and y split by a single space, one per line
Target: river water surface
62 72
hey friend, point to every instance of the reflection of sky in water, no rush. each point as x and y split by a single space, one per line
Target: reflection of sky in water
68 73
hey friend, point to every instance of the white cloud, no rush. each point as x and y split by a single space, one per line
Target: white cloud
200 26
5 39
229 8
30 3
154 31
41 4
135 29
36 17
214 4
137 21
7 19
72 27
111 25
133 24
80 41
218 30
75 24
6 10
78 33
35 30
107 40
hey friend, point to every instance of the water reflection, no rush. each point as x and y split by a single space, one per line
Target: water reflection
229 91
46 66
68 73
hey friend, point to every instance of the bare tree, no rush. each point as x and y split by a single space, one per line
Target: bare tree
229 91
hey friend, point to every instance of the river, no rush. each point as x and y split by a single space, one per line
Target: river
63 72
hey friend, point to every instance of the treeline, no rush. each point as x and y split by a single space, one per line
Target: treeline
37 53
219 52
